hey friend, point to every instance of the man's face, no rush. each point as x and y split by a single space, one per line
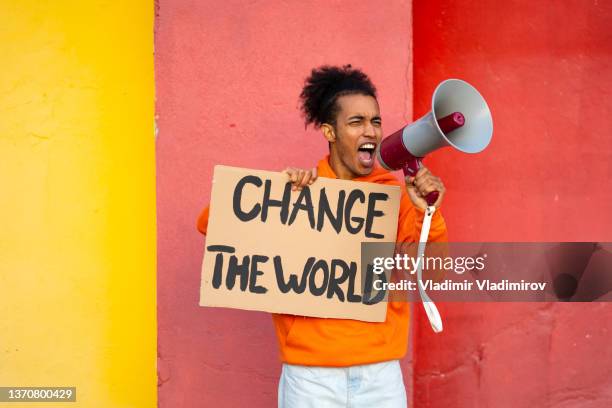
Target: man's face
358 132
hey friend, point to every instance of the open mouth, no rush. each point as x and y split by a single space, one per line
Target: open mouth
366 154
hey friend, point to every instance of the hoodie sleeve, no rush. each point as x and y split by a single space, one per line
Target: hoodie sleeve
202 223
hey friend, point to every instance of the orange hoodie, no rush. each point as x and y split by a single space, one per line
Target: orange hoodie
341 342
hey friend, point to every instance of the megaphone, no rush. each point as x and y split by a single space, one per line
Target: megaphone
459 118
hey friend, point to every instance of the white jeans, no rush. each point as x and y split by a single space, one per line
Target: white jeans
379 385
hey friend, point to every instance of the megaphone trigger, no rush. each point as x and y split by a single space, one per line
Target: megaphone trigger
411 166
410 169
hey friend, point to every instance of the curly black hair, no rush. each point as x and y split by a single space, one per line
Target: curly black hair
323 88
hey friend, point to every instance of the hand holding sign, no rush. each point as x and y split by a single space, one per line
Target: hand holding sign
300 178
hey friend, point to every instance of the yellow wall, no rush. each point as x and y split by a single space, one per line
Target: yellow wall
77 200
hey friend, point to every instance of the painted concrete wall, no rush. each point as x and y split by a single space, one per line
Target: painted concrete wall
77 242
545 70
228 77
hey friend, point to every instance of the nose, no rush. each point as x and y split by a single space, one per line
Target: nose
369 130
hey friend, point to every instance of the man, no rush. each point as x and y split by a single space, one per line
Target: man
341 362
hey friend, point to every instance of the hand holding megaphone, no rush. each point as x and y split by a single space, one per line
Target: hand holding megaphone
459 118
425 189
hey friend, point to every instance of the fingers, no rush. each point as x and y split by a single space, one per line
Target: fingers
299 178
426 186
292 174
424 183
306 178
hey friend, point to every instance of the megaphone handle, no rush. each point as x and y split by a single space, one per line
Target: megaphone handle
432 197
411 168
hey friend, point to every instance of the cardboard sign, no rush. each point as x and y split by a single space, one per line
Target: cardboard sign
298 252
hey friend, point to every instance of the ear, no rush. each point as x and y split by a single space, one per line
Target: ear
328 132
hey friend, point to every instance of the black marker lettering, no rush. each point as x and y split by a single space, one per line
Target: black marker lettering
335 281
369 285
255 272
218 272
324 209
350 201
373 213
268 202
292 283
235 269
307 206
245 216
320 265
351 296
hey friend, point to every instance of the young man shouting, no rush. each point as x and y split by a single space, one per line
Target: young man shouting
341 362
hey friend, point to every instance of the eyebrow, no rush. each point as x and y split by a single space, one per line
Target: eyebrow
360 117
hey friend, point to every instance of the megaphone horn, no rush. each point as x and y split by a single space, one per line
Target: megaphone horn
459 118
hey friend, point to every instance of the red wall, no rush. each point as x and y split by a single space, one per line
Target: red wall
228 77
545 70
227 80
